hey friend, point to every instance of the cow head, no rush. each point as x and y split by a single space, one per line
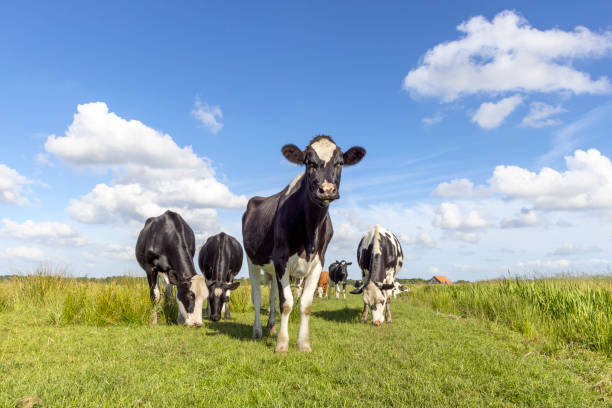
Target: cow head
324 161
190 296
375 297
218 294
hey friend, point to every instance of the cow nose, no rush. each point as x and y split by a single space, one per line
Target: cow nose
376 322
327 190
196 325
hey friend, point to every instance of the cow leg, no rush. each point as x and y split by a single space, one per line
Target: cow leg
256 297
320 291
337 287
364 314
328 294
311 282
226 306
207 312
388 311
286 304
272 315
153 292
344 290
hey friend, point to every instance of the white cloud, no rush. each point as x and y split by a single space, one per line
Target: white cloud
563 264
47 233
151 172
27 253
11 186
449 216
208 115
524 218
491 115
433 120
574 249
463 188
540 115
118 251
421 239
586 184
508 55
469 237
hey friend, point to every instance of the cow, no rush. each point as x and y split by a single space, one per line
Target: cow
380 257
288 233
338 274
399 288
220 260
323 284
165 249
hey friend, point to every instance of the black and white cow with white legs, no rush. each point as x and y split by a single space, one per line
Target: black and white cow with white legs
287 234
380 257
220 260
338 275
165 249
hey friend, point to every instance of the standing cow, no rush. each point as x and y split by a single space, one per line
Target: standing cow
165 249
337 275
220 259
288 233
323 284
380 257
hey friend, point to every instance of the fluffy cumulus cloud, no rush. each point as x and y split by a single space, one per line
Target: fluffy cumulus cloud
209 116
491 115
24 253
12 186
526 217
462 188
151 172
118 251
47 233
421 239
449 216
585 185
540 115
508 55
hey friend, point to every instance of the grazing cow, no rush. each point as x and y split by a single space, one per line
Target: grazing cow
165 248
380 257
399 288
338 274
323 284
220 259
288 233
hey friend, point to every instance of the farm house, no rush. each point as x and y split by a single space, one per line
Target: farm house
437 279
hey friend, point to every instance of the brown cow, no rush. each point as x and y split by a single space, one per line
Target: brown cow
323 285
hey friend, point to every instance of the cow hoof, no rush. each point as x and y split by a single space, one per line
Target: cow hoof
281 348
257 333
305 348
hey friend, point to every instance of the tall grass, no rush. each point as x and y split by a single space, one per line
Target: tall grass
559 311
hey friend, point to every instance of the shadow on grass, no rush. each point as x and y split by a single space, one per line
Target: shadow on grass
240 331
345 315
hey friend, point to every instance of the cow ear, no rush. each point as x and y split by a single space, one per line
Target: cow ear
387 286
353 155
357 291
232 286
349 263
293 153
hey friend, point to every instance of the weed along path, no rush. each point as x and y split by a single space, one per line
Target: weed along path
422 359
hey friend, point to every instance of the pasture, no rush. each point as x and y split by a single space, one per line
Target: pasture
77 342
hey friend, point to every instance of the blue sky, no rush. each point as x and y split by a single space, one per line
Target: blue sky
486 125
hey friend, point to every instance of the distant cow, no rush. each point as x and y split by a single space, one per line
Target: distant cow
399 288
288 233
323 284
220 259
165 248
380 257
337 275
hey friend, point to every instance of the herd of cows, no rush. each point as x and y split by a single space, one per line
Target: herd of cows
284 235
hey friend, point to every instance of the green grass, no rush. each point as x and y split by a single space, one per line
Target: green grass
556 311
82 343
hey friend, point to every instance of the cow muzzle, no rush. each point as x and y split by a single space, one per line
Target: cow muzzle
327 192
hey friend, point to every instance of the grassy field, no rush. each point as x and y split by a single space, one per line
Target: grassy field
87 343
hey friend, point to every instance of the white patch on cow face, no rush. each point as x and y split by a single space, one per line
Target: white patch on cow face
218 291
374 298
293 184
324 149
200 290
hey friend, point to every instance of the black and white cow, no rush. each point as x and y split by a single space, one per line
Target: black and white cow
288 233
380 257
398 288
165 249
338 274
220 259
